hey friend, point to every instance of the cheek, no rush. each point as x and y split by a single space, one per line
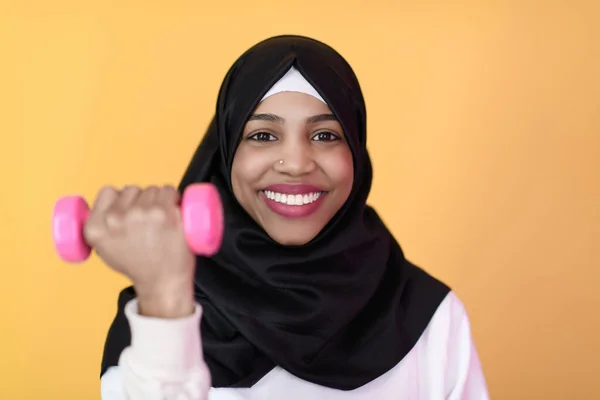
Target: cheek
339 167
246 170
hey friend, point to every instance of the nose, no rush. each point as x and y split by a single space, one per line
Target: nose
295 160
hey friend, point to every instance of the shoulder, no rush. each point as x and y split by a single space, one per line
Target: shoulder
424 291
452 309
423 299
448 330
450 322
448 340
449 345
111 384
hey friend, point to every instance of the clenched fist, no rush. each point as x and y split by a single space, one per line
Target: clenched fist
138 233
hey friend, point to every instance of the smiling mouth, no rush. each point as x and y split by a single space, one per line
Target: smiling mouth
291 199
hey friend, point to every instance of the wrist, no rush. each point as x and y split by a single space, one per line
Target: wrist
166 299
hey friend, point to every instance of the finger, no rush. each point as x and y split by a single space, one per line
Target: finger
148 197
105 199
168 196
95 227
127 197
168 200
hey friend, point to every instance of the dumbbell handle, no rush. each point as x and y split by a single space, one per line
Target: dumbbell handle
201 212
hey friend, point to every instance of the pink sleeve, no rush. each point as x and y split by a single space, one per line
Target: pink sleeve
164 360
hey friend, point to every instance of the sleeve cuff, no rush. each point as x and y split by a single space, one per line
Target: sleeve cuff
172 344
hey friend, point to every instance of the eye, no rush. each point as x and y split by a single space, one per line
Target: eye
325 136
262 137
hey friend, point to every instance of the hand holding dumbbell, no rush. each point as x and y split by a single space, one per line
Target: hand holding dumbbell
147 235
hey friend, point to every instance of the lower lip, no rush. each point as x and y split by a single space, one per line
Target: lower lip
290 211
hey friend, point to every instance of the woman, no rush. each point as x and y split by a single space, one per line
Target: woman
310 296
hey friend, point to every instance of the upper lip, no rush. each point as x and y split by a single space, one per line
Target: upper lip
294 189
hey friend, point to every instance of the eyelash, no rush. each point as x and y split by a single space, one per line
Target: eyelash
254 136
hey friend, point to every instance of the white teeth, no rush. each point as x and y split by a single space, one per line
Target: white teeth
291 199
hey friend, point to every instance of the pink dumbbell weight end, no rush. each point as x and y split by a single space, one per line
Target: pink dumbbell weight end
202 216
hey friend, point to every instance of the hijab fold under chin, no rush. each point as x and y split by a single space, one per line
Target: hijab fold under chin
339 311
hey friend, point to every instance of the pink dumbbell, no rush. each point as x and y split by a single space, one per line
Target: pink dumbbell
201 210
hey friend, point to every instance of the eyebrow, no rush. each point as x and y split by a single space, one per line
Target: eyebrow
276 118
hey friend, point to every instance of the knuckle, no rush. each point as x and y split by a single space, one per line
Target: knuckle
114 220
153 214
136 214
157 214
93 233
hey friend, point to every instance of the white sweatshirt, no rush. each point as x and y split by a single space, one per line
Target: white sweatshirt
165 362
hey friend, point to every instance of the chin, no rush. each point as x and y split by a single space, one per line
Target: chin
295 239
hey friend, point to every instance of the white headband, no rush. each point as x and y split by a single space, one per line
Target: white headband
293 81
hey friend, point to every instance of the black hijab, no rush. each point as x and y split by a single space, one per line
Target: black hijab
339 311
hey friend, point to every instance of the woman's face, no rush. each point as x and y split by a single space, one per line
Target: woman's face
292 200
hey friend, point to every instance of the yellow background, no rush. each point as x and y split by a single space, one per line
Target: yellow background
484 124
